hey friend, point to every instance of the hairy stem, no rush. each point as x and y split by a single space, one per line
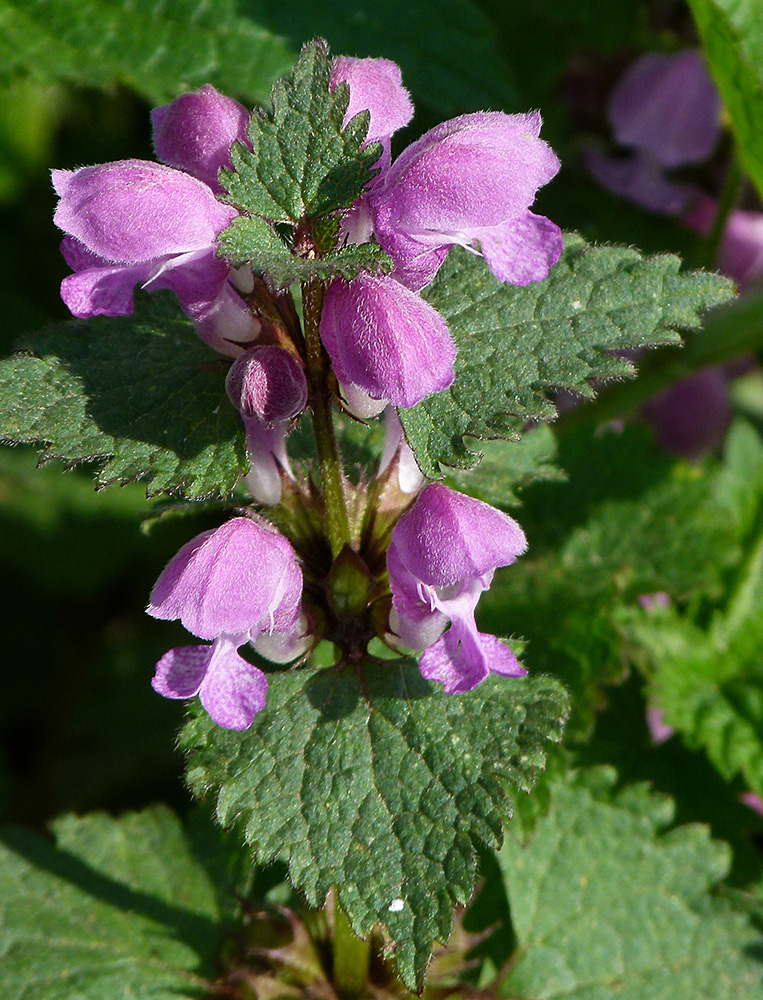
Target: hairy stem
351 955
337 521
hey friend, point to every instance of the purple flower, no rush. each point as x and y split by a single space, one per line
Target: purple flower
196 131
666 109
740 254
375 86
386 340
134 222
267 386
692 416
469 181
230 585
443 553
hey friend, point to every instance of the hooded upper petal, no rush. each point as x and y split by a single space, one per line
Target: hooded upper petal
133 211
195 132
386 339
474 171
241 577
375 86
447 536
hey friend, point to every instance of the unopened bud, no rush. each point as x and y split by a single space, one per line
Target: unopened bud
268 383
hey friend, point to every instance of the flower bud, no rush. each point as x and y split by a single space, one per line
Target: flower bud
268 383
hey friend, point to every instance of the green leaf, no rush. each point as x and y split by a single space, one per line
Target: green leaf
732 34
604 904
252 241
516 343
673 527
157 49
381 786
506 467
707 677
143 396
302 163
132 907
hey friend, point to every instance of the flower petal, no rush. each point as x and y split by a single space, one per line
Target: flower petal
133 211
375 86
447 536
103 291
196 131
386 340
233 690
461 659
470 172
640 179
237 577
180 671
667 105
523 249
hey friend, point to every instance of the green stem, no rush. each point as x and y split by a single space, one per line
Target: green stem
332 480
351 955
728 200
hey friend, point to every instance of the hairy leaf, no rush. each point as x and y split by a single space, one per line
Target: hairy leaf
381 786
732 34
604 904
252 241
157 49
302 162
516 343
122 907
141 395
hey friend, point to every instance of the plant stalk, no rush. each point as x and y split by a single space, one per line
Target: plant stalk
332 480
729 196
351 955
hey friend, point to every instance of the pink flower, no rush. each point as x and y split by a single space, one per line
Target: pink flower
469 181
386 340
268 387
134 222
443 553
666 109
230 585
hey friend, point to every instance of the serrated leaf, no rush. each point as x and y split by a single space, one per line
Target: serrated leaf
141 395
381 787
123 907
732 35
707 677
252 241
603 904
516 343
676 530
158 49
302 163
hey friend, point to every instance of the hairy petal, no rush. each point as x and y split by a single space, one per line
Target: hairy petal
387 340
233 690
447 536
236 578
462 658
133 211
470 172
375 86
196 131
522 250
